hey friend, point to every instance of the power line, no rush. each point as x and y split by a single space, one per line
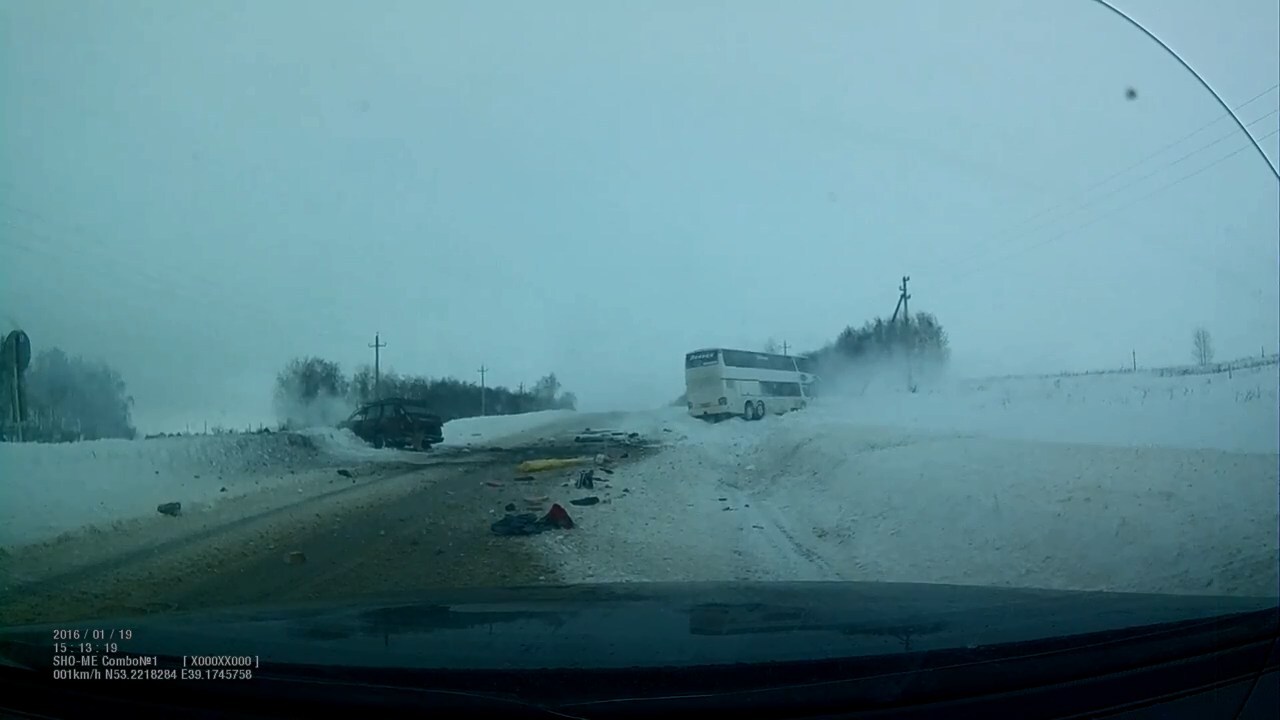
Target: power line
1205 83
1184 138
1099 183
1089 203
1111 211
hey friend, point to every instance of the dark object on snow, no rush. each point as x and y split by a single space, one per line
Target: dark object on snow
633 435
723 499
396 422
522 524
222 489
606 471
588 500
625 455
173 509
586 480
523 478
511 507
591 438
297 557
558 517
345 473
531 524
1130 94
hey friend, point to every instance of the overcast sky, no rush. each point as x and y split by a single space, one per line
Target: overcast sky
198 191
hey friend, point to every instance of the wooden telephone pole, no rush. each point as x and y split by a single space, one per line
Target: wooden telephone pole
377 346
903 297
482 372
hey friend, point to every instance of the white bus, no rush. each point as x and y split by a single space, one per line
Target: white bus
720 383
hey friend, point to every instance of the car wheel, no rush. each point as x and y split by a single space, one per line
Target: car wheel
759 409
748 411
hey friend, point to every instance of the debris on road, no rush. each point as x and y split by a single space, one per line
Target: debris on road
531 524
172 509
222 489
533 466
344 473
586 479
559 517
602 459
297 557
588 500
493 483
522 524
606 471
523 478
510 507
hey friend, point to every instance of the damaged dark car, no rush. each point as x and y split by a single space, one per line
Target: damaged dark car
396 423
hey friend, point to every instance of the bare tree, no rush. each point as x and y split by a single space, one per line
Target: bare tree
1203 346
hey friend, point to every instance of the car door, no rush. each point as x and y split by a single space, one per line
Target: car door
372 424
396 422
355 423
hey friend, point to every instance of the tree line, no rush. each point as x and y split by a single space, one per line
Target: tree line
919 337
315 391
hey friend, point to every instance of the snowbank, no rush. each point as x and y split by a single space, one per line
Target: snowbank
1084 484
491 428
48 489
661 424
1240 412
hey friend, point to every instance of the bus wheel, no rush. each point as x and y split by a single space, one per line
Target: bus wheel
759 409
748 411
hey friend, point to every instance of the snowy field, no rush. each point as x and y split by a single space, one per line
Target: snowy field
1135 482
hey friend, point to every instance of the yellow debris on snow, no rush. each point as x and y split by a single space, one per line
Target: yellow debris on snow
532 466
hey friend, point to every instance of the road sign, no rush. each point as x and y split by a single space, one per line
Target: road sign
17 350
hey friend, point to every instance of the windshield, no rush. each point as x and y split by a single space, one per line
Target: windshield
1032 258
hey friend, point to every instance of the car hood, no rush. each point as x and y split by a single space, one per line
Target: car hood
637 625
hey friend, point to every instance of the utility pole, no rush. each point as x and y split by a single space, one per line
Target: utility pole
377 361
482 372
785 346
1135 360
903 297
